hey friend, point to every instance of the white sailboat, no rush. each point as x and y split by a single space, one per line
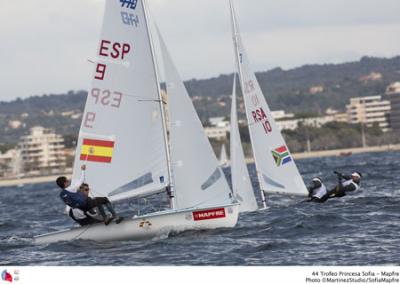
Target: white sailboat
276 169
241 183
223 157
124 143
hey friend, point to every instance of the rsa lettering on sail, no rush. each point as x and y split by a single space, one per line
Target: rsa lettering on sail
259 116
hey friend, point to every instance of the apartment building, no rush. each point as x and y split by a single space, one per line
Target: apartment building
369 110
42 151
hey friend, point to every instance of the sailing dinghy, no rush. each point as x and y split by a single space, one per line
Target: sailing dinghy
276 169
124 142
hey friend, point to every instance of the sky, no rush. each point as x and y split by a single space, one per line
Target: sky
45 44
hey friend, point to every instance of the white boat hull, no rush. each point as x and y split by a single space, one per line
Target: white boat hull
151 225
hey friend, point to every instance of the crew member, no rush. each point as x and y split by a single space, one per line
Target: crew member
346 183
75 198
317 191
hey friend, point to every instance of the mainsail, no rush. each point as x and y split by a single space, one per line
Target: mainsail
276 169
241 183
223 159
122 137
198 179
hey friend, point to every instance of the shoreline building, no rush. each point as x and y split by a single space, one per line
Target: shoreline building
370 110
10 164
393 95
42 152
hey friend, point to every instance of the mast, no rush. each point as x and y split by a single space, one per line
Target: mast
166 144
237 57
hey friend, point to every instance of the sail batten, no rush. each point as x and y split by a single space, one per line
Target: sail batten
274 163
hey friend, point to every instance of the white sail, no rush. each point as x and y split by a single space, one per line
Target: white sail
223 159
198 179
276 169
121 138
241 183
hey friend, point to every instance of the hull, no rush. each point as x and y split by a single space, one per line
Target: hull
150 226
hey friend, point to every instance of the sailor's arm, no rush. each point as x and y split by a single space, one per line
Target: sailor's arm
74 187
349 188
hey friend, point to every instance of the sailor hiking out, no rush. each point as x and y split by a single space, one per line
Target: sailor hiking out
317 191
76 196
346 184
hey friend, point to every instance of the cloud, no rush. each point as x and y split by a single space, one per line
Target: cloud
46 43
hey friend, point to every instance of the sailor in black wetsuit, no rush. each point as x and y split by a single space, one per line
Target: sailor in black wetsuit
317 191
346 183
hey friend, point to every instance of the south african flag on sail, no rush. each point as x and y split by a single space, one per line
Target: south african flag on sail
281 155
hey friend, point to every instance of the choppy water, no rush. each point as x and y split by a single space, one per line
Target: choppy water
362 229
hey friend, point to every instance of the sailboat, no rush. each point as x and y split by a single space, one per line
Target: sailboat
275 166
124 142
223 157
241 183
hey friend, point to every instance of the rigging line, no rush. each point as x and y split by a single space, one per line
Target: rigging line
84 231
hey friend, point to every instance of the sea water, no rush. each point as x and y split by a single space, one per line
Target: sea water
358 229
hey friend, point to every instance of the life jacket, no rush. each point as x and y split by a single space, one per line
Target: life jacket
319 192
73 199
350 181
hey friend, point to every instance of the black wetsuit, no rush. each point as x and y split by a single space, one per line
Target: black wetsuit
84 221
98 202
348 185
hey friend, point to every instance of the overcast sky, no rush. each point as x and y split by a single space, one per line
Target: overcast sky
45 44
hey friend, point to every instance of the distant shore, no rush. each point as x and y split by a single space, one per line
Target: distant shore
305 155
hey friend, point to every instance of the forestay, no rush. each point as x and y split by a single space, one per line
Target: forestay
276 168
241 183
198 179
121 138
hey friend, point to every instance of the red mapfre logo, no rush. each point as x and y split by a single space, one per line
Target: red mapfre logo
209 214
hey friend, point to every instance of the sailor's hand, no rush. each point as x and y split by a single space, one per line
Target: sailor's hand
337 173
83 167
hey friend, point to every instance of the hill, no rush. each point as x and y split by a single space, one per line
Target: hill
310 88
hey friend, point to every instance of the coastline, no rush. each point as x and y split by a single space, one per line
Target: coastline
297 156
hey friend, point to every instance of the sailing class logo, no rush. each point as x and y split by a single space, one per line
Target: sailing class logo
131 4
94 150
209 214
281 156
6 276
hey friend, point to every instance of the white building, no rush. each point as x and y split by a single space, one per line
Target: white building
42 151
218 133
219 121
281 114
10 165
369 110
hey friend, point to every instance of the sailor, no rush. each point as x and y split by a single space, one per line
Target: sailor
317 191
98 202
346 183
73 196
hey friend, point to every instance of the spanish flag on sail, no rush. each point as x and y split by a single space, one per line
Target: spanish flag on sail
94 150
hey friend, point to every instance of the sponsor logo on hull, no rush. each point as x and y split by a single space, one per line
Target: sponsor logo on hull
209 214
